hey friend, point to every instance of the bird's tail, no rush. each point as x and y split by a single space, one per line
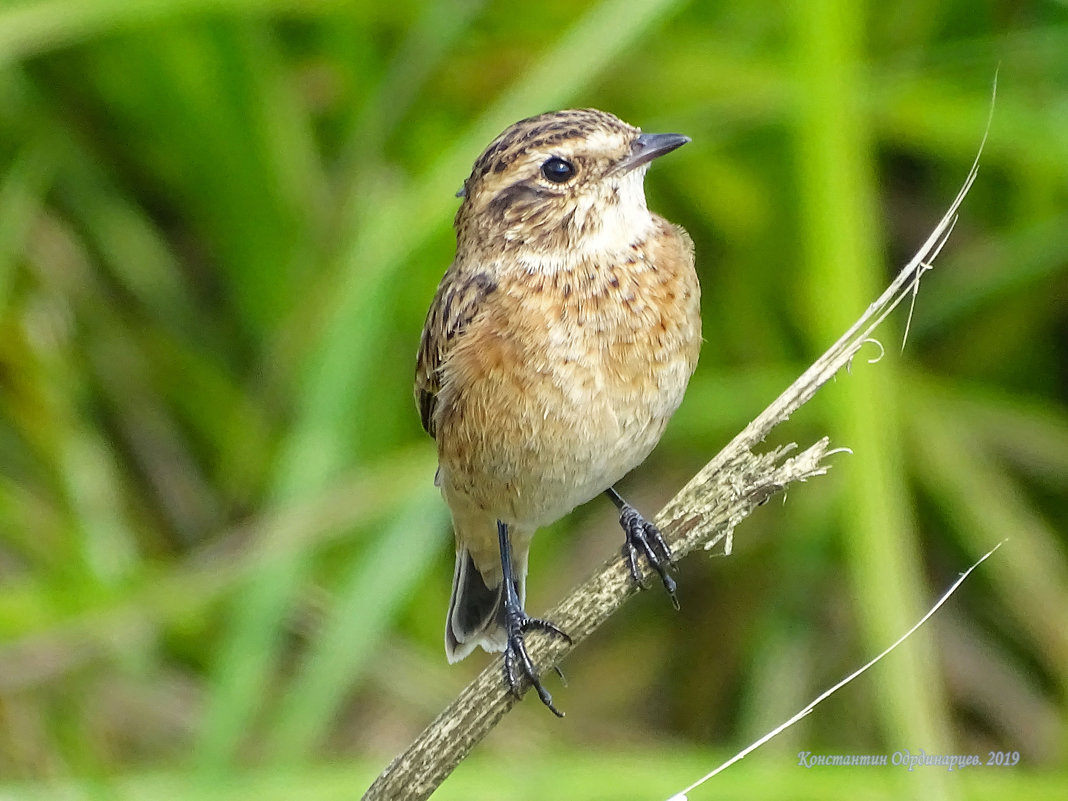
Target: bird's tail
476 610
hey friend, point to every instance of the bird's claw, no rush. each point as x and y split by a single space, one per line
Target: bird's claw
644 537
517 662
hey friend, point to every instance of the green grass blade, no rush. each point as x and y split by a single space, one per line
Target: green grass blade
21 194
1032 574
377 583
836 161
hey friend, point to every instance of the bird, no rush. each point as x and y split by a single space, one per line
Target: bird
557 346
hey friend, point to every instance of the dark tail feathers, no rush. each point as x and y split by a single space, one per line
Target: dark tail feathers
476 612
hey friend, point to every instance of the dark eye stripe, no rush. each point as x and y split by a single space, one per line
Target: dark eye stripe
515 194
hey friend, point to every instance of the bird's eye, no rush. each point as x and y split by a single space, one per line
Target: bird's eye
558 170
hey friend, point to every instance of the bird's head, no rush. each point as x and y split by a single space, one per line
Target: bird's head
562 182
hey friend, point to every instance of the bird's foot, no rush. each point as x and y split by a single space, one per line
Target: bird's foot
517 662
644 537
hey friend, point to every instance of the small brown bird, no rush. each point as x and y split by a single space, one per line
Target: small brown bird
558 345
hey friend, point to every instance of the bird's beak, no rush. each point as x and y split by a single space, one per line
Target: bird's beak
649 146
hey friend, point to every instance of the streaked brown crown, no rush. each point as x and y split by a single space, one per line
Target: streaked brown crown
562 130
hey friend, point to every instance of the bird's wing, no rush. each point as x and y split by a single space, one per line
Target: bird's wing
458 301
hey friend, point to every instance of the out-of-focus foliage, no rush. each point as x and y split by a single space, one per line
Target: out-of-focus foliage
222 558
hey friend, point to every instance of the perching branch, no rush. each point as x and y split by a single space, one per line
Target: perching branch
703 514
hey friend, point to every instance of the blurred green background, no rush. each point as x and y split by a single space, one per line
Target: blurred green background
223 564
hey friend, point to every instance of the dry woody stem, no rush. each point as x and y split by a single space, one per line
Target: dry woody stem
702 515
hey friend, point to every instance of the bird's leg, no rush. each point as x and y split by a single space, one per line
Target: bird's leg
643 537
517 623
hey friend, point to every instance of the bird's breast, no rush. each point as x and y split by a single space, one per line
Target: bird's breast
566 383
